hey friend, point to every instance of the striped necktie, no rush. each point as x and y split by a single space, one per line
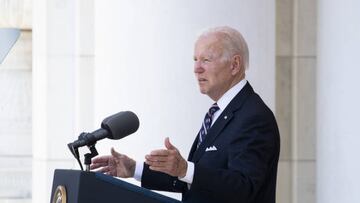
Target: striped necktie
207 123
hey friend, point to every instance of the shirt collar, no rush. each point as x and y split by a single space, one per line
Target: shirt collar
230 94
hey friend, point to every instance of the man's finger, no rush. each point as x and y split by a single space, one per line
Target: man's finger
156 158
157 163
103 169
160 169
101 159
115 153
160 152
168 145
97 165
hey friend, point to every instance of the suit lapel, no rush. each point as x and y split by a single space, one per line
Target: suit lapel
225 117
193 148
214 131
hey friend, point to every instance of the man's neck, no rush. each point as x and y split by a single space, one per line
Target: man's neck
232 84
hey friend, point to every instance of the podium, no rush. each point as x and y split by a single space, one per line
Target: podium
73 186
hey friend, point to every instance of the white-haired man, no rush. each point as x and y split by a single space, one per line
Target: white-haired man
234 156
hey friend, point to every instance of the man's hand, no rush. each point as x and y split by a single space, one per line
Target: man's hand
115 164
167 160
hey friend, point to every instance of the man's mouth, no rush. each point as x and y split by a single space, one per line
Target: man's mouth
202 80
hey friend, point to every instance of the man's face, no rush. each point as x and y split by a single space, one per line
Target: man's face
212 70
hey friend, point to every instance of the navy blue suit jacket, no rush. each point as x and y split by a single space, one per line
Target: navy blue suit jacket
243 168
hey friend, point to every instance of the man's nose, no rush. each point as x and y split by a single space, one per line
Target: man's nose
197 67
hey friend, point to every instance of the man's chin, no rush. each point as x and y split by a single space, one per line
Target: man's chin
203 91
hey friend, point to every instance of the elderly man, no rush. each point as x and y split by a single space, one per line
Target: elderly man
234 156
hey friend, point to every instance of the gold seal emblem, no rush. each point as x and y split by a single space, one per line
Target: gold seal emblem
59 195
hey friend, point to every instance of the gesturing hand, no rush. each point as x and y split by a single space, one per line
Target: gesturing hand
115 164
167 160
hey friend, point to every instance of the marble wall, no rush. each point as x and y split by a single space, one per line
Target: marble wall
295 99
338 99
16 106
16 122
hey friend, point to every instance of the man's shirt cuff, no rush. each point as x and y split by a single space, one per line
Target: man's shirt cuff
139 167
189 173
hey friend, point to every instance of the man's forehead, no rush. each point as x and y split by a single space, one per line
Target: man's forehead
208 39
208 46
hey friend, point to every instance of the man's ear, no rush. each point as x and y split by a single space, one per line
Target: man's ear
236 65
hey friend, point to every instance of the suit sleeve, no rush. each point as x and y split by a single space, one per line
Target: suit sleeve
160 181
251 155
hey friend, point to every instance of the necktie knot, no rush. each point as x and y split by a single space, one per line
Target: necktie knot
214 108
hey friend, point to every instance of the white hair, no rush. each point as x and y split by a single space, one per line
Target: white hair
233 42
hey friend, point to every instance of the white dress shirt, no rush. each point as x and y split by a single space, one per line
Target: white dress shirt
223 102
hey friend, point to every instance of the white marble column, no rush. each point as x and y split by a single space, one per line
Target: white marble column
84 99
338 100
62 85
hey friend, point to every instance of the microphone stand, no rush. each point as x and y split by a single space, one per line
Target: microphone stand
87 156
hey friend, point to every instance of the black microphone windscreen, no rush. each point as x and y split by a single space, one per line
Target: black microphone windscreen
121 124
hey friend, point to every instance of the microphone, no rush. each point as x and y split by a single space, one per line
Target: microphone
114 127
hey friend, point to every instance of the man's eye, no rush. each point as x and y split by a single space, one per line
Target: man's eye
206 60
